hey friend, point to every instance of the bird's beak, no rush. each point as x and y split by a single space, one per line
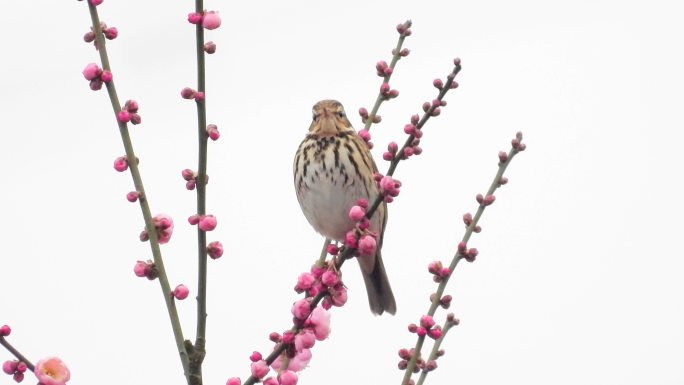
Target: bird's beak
328 121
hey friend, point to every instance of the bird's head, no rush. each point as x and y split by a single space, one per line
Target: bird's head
329 119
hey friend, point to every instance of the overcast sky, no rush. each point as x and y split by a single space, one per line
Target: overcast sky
579 277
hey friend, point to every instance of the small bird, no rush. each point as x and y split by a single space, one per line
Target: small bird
333 169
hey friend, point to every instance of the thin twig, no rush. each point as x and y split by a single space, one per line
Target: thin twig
16 353
144 206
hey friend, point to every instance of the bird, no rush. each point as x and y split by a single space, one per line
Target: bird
333 169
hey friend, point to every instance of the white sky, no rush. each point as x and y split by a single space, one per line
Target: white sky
579 278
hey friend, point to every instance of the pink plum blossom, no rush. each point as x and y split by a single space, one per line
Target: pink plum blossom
194 18
5 330
9 367
234 381
320 319
51 371
164 225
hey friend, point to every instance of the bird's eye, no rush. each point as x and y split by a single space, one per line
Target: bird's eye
313 117
340 114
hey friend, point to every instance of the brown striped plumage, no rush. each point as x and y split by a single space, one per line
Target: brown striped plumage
333 168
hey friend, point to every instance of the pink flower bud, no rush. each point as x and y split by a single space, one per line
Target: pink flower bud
365 135
234 381
301 309
426 106
417 150
435 333
91 71
5 330
479 198
305 339
427 322
488 200
131 106
330 278
421 331
387 156
52 370
467 219
287 377
190 185
96 2
401 28
132 196
381 65
503 156
332 249
211 20
356 213
436 102
377 119
255 356
181 292
89 36
274 337
387 183
188 174
438 83
9 367
409 129
199 96
462 247
259 368
18 377
194 219
135 118
393 94
215 250
388 71
304 282
408 151
21 367
367 245
123 116
350 239
288 337
140 269
210 47
454 85
444 272
194 18
111 33
384 88
503 180
213 132
106 76
270 381
95 84
207 223
121 164
436 111
187 93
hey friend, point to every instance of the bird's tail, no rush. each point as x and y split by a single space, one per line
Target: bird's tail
380 297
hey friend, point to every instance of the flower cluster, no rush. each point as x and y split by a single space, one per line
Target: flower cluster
96 76
189 93
129 113
208 19
439 272
15 368
163 224
319 280
212 132
388 93
389 187
427 327
364 116
110 33
465 252
205 222
360 238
